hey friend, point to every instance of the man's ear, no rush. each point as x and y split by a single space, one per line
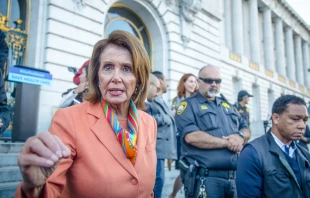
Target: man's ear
275 118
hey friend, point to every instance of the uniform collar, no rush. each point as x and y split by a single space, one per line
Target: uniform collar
203 99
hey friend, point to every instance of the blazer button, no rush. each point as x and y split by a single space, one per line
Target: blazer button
167 139
134 181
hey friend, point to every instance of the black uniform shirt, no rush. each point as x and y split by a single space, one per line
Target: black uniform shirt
216 118
244 112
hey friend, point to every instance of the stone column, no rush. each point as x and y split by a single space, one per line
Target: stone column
268 41
237 27
298 60
228 34
290 57
280 47
306 61
254 31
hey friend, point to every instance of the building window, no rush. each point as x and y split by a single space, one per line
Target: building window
256 114
270 101
122 18
10 11
237 86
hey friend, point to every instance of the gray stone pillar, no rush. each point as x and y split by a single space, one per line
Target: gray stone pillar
298 60
306 58
280 47
268 40
228 34
237 28
290 58
254 31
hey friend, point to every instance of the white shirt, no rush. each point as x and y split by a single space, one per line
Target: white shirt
292 147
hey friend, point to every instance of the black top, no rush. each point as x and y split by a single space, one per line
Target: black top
244 112
216 118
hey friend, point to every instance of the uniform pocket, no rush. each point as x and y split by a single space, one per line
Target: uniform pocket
234 124
209 120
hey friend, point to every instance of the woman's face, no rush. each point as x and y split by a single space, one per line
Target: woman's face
116 78
190 84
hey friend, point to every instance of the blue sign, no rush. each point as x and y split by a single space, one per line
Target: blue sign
30 75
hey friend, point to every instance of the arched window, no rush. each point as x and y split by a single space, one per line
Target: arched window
122 18
12 10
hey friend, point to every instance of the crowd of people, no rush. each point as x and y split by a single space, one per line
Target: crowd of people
115 132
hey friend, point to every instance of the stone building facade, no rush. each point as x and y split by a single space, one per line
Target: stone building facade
261 46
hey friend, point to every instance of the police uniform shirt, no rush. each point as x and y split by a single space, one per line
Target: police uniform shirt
244 112
216 118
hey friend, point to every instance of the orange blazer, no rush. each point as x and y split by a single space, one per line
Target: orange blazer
98 166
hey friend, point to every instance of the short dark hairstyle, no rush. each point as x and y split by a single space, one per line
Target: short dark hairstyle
281 104
158 74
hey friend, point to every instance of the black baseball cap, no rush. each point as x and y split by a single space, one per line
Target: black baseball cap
243 93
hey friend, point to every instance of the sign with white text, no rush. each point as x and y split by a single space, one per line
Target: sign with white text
30 75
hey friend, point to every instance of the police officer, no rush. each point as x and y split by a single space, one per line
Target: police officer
212 135
243 99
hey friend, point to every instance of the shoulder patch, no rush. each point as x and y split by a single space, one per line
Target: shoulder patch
181 108
204 107
226 105
247 110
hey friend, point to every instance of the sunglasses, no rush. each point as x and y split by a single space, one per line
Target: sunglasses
158 88
210 81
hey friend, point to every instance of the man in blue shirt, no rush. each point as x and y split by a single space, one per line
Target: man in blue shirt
273 164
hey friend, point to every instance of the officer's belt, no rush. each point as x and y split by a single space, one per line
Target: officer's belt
225 174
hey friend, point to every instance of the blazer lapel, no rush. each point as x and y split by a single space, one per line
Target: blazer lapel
106 136
142 138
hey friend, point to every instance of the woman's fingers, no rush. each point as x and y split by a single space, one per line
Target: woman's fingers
51 143
44 150
25 160
66 152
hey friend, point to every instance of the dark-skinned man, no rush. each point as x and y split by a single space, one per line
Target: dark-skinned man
212 135
274 165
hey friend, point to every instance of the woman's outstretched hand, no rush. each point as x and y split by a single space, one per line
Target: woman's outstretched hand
38 159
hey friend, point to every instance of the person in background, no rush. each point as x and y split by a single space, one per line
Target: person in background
274 165
154 89
4 109
166 130
187 86
76 78
75 95
4 51
105 146
243 110
305 139
212 134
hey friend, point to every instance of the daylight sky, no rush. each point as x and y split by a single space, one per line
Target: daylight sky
302 7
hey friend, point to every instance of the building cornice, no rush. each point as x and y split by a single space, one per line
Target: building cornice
294 14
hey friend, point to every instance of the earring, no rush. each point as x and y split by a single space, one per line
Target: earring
136 90
98 85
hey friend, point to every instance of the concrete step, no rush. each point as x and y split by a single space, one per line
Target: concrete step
10 147
10 174
8 159
7 190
